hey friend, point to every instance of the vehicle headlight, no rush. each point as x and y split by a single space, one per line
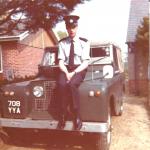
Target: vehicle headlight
38 91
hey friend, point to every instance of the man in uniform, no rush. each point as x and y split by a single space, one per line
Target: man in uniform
73 55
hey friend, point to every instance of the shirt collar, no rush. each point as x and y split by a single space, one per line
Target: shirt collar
76 38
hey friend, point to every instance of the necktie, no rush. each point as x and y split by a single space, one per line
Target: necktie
71 56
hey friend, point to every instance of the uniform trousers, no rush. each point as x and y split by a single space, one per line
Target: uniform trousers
69 92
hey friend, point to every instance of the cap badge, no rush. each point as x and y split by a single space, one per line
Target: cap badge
71 21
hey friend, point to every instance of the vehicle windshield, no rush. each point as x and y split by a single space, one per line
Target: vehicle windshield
99 52
96 53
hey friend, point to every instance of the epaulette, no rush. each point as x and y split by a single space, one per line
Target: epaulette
83 39
63 39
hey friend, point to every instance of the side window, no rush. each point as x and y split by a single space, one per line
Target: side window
120 62
49 59
115 63
1 65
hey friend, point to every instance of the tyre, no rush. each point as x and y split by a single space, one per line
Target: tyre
119 107
103 140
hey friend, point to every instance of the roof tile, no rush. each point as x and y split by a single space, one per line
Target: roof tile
138 9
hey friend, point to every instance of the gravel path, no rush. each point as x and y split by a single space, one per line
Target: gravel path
132 130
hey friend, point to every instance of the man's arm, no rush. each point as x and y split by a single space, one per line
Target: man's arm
61 57
62 66
83 66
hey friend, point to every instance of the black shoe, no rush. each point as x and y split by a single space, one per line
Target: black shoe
77 123
61 123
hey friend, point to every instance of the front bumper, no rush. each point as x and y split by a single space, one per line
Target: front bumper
93 127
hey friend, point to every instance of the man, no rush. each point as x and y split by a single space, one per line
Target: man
73 58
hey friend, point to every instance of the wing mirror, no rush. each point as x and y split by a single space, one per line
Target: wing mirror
108 71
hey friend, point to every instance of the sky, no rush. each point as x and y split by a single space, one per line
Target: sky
103 20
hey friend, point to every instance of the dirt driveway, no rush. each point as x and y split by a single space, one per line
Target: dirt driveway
131 131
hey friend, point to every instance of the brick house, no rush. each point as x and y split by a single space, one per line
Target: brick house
137 63
20 53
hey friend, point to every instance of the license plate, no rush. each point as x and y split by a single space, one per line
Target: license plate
14 107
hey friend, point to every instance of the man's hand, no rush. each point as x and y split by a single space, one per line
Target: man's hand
70 75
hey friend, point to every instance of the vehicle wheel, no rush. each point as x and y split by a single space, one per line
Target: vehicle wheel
121 108
103 140
118 107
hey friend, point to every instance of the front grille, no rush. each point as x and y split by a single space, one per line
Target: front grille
43 103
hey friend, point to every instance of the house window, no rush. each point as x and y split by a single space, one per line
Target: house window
1 66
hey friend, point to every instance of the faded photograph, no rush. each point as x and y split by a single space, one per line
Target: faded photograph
74 75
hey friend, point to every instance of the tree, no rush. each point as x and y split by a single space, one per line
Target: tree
142 36
142 44
62 34
33 14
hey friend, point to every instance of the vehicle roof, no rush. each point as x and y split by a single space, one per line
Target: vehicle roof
102 44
